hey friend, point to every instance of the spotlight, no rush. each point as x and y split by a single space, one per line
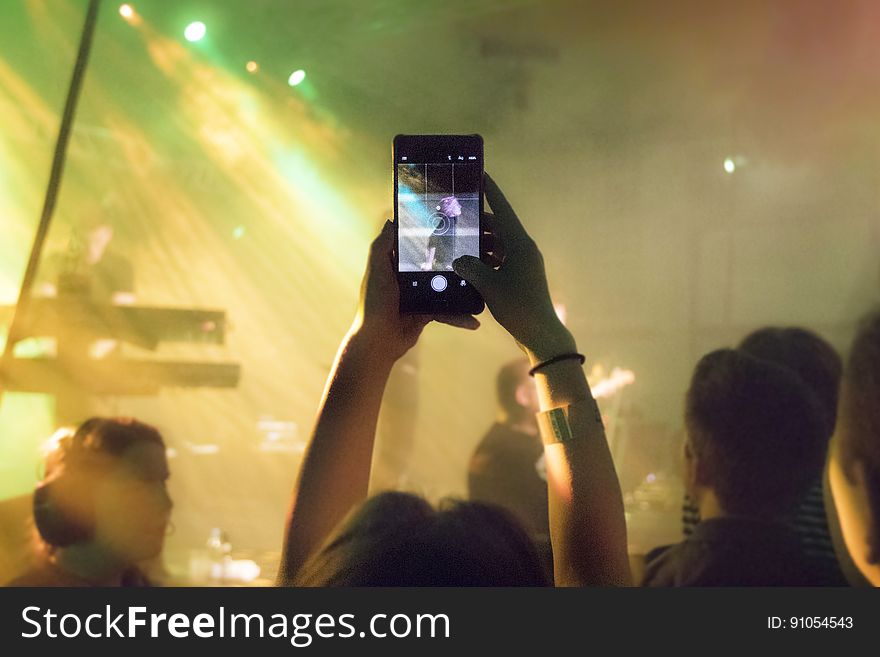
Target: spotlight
252 67
729 165
296 77
126 11
195 31
238 233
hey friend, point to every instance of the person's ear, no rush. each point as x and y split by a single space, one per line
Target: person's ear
694 468
687 466
701 472
522 395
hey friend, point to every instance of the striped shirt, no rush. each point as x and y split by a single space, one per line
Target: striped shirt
808 521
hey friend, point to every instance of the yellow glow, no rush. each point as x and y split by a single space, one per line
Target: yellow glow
558 471
255 156
53 442
853 510
607 386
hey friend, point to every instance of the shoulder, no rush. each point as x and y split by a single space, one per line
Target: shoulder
502 440
494 438
115 260
135 577
44 575
661 566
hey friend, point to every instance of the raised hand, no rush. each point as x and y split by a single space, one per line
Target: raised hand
516 292
378 320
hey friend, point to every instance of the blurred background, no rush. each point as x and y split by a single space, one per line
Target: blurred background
691 170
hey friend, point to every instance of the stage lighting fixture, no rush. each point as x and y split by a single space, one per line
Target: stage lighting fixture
195 31
238 233
296 77
729 165
126 11
252 67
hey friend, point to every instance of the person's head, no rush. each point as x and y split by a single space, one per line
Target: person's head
399 539
98 238
105 485
854 466
806 354
516 391
755 435
93 227
450 206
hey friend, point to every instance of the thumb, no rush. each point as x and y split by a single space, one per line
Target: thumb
386 235
474 271
381 247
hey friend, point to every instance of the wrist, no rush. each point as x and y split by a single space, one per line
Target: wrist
554 341
367 347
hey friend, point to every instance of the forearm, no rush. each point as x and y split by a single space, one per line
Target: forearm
587 523
335 471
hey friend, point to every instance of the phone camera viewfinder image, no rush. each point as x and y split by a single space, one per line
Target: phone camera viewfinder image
438 207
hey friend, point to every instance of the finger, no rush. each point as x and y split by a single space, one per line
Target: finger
490 224
493 260
385 237
381 247
492 232
417 322
488 243
392 252
505 218
492 244
468 322
488 220
474 271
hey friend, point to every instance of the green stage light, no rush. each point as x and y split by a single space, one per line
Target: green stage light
195 31
296 77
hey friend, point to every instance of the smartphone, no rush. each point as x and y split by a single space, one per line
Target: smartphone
438 209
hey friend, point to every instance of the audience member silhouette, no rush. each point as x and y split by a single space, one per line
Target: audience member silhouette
103 507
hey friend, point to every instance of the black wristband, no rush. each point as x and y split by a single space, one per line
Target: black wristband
556 359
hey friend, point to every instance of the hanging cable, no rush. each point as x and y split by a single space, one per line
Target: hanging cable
58 161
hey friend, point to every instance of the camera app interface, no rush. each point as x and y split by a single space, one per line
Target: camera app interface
439 212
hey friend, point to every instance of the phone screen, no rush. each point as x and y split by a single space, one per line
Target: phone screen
438 194
438 207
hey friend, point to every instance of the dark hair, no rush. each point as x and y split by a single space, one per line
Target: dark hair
399 539
509 378
860 413
757 431
806 354
64 502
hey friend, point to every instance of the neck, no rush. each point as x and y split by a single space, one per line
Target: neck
709 505
525 424
710 508
91 563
